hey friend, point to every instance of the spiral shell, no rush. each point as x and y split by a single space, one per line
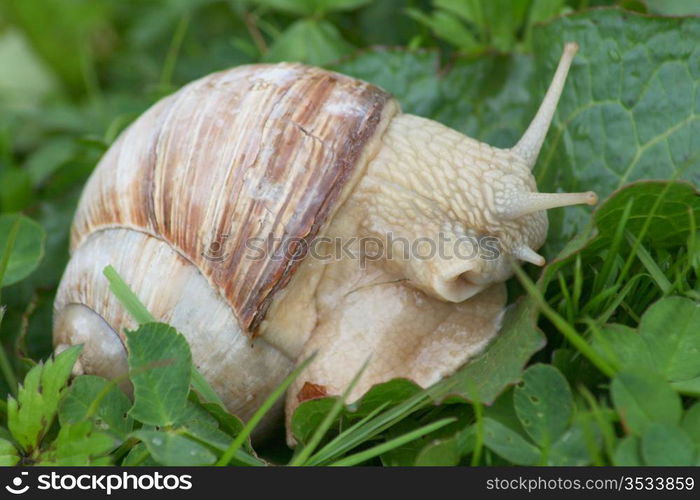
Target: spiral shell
265 152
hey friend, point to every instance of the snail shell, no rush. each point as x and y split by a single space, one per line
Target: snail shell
279 155
267 151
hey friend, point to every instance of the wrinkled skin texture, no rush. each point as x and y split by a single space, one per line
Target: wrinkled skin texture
423 316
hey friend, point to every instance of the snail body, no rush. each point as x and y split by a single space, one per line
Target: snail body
221 205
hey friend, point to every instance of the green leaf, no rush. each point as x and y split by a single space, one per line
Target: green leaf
27 247
8 453
644 398
439 453
30 416
624 347
509 444
667 342
139 455
204 390
448 27
207 432
674 7
503 411
543 10
471 11
501 29
688 387
230 424
202 427
16 192
308 416
78 444
486 98
110 413
572 448
628 452
297 7
48 158
625 113
691 423
543 403
322 6
669 445
309 41
410 76
171 449
447 451
502 363
160 365
671 328
311 7
391 393
495 23
195 412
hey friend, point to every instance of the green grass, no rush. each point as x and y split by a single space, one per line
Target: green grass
597 361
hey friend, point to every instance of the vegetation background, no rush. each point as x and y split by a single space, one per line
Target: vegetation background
599 360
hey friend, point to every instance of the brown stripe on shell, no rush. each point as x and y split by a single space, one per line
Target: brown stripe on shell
260 153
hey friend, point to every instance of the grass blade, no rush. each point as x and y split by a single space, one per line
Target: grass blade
305 453
166 75
601 280
358 434
127 298
260 413
478 430
568 331
365 455
651 266
332 448
643 232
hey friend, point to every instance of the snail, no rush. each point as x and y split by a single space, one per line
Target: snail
223 207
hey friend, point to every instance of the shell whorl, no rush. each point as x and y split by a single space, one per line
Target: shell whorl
174 291
262 152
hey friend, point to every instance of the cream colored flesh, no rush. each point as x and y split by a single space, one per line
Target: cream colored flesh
412 318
